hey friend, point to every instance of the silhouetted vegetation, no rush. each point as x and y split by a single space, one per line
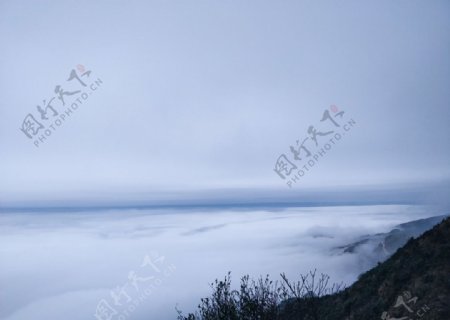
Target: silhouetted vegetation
261 299
421 267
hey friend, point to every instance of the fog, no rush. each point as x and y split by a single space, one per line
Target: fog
61 265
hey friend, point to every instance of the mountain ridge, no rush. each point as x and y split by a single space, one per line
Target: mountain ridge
419 272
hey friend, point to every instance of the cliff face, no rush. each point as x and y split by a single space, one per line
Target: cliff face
375 248
414 283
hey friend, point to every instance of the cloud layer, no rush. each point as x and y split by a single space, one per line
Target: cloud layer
62 264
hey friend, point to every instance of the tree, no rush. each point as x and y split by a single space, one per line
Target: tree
261 299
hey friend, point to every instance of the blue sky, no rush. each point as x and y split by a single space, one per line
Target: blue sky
206 95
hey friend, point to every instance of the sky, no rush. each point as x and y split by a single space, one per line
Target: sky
206 95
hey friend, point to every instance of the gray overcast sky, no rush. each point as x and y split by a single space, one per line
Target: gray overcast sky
207 94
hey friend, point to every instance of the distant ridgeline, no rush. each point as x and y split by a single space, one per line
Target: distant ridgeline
372 249
413 283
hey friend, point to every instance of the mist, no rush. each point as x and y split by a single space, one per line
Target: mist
63 264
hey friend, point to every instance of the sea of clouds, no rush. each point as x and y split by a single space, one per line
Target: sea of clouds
64 265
